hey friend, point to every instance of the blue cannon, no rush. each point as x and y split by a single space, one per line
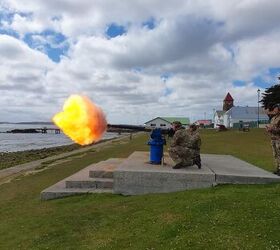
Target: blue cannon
156 143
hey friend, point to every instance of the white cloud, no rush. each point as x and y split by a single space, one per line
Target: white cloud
202 45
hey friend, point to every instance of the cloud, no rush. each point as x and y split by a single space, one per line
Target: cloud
201 47
21 77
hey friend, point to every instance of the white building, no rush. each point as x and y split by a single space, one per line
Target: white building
242 114
166 122
230 116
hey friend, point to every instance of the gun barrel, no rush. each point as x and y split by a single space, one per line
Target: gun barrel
125 126
168 131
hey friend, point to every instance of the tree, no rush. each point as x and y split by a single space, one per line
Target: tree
271 96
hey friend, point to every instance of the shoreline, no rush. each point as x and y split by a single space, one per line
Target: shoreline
12 159
33 162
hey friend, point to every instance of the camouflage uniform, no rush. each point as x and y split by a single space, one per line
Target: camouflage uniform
275 140
179 151
195 143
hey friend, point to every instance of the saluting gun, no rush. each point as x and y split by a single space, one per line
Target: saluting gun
156 142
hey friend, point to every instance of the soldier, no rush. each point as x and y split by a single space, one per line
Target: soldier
179 151
274 130
195 144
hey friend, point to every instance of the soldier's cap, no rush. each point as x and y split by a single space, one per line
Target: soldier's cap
277 105
177 124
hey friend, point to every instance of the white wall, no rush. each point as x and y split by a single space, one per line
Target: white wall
158 123
218 120
226 120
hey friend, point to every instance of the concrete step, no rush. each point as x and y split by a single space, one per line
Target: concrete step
80 182
101 174
97 183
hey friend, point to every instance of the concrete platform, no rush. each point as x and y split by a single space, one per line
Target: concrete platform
81 183
135 176
229 169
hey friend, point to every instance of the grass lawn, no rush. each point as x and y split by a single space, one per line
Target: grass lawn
224 217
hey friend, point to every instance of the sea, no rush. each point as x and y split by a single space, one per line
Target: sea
10 142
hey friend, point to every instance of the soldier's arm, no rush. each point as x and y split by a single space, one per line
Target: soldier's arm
195 142
275 130
174 140
199 142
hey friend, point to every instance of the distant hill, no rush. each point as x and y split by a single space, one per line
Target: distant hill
30 123
41 123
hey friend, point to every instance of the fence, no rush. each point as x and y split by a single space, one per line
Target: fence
252 124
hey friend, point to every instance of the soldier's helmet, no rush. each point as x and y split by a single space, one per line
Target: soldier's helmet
193 126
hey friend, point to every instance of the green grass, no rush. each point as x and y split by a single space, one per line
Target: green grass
224 217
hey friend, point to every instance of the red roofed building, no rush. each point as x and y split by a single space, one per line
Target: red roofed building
203 123
228 102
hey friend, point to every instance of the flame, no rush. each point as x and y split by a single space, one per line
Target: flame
81 120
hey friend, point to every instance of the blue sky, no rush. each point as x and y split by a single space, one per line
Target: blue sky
54 50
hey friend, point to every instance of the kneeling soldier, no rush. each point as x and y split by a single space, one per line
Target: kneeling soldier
179 151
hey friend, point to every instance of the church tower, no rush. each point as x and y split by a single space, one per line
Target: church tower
228 102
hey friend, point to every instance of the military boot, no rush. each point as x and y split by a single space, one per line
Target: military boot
277 172
197 162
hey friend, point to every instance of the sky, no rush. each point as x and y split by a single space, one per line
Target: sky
136 59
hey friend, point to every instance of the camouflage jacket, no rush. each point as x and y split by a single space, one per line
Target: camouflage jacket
195 140
275 127
180 138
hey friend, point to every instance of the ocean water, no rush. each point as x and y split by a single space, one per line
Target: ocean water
19 142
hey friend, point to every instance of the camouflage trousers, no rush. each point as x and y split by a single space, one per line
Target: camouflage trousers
275 144
196 152
181 155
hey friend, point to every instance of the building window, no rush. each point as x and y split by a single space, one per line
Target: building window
153 125
162 125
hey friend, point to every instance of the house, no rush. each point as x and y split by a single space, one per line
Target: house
244 114
232 116
166 122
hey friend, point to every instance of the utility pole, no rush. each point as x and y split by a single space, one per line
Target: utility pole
258 107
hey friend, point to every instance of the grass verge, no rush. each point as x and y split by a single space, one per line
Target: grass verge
224 217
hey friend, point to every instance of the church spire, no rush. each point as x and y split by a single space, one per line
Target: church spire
228 102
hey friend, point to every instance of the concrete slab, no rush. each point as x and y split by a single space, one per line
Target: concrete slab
136 176
229 169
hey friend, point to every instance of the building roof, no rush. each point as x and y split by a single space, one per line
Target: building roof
247 113
228 97
183 120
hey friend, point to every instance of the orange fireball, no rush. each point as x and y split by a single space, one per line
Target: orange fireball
81 120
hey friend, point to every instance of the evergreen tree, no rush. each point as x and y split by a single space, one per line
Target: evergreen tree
271 96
